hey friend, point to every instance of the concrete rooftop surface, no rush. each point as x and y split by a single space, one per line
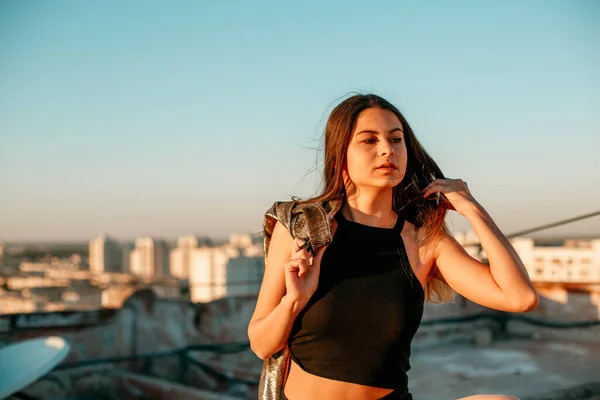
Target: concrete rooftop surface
155 348
525 368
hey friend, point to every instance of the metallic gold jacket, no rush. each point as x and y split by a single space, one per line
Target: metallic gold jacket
308 221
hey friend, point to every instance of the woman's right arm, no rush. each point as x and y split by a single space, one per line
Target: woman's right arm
275 312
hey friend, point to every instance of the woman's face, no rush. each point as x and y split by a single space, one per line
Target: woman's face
376 154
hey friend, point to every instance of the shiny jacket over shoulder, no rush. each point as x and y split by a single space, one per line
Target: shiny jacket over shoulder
308 221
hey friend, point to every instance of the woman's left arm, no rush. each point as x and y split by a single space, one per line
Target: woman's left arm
504 284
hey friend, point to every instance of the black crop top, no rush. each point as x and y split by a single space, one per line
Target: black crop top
358 325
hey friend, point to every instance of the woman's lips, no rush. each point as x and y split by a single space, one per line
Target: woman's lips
386 170
387 166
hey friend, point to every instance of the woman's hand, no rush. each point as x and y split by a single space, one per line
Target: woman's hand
455 190
302 273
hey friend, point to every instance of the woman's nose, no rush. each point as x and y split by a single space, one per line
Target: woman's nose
386 148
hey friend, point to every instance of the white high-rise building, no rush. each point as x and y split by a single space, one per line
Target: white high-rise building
149 259
181 256
126 247
208 272
241 240
105 255
577 261
231 270
176 263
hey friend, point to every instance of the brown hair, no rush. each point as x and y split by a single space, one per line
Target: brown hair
426 214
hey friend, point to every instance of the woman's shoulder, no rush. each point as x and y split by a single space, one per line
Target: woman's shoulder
281 209
309 220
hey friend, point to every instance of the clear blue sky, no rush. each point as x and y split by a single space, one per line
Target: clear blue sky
166 118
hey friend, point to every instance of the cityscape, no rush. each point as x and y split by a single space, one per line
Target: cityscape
194 268
131 304
110 271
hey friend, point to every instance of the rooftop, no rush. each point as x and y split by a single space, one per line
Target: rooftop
159 348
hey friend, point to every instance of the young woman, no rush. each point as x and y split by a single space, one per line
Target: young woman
349 312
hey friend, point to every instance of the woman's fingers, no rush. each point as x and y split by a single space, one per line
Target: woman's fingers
302 260
432 187
298 244
300 263
444 186
303 267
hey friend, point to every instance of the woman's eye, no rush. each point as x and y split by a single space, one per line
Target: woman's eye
369 141
397 140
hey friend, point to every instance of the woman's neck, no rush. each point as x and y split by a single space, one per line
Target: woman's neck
370 210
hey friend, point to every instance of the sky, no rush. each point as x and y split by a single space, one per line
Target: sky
168 118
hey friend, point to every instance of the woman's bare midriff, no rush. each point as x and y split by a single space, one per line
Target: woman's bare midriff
301 385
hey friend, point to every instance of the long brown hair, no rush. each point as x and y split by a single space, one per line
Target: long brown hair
426 214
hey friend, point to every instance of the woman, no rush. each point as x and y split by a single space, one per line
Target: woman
350 311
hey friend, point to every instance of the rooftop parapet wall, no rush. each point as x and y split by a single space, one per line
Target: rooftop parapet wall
147 323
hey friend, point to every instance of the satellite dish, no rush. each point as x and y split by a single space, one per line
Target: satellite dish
23 363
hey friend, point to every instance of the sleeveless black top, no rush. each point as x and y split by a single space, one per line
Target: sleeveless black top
358 325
